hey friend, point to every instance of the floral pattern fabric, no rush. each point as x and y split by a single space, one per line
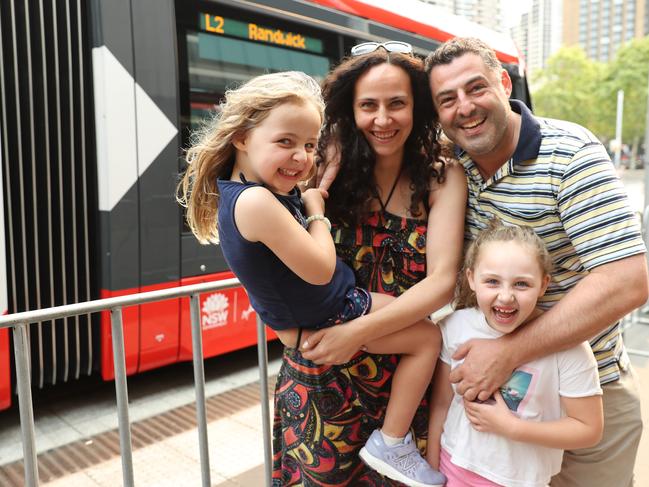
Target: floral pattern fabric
324 414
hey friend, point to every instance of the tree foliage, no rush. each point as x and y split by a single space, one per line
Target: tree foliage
628 72
573 87
569 88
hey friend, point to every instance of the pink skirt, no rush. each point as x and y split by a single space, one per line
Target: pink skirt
461 477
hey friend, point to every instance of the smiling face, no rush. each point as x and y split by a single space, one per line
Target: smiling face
474 112
383 105
279 151
507 279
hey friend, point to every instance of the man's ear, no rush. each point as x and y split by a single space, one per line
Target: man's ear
239 141
506 82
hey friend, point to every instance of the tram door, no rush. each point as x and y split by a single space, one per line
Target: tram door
137 125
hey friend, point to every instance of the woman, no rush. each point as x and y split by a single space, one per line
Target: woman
398 214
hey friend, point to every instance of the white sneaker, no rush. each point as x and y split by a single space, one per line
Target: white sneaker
401 462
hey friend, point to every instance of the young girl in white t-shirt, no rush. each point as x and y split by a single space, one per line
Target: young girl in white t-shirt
550 404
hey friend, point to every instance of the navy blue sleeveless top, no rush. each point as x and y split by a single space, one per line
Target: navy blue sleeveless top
279 296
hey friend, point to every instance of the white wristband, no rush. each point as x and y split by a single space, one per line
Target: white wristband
321 218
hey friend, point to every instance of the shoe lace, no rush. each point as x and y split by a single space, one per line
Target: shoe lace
407 458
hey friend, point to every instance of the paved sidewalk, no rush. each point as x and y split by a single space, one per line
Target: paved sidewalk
165 445
236 458
236 454
78 443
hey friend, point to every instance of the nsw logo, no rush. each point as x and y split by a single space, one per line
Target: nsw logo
215 311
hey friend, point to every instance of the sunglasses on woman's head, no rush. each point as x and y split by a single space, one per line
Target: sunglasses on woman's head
390 46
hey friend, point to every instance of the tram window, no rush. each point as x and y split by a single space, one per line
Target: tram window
216 63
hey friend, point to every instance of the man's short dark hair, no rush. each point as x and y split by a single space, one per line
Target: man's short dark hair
458 46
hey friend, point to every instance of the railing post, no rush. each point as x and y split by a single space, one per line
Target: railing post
121 391
262 353
199 385
20 321
24 385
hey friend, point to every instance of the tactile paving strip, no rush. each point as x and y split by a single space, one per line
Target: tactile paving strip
82 454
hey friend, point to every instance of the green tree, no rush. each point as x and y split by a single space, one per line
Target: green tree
628 72
570 88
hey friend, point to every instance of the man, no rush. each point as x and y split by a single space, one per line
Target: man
557 178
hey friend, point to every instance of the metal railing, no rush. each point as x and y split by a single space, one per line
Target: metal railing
20 321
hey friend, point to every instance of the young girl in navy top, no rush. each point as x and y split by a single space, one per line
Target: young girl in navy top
243 174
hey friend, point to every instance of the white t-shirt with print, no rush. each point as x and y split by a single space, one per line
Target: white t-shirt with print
532 393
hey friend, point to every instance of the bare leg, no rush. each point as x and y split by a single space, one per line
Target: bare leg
419 346
441 396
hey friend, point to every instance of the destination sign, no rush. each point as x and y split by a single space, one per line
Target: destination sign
216 24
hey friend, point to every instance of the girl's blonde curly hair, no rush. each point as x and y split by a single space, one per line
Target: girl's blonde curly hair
496 231
211 154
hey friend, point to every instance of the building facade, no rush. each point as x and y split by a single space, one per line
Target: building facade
484 12
538 33
600 27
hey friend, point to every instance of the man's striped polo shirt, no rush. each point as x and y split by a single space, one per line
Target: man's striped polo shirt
562 183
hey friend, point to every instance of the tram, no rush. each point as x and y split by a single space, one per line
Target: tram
98 99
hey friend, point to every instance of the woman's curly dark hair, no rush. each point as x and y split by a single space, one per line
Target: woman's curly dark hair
355 185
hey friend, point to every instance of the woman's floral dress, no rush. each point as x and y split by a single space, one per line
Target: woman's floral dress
324 414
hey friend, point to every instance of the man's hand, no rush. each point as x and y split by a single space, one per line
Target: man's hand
491 416
487 365
333 346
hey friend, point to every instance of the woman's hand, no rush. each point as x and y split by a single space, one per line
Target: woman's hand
491 417
327 170
332 346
